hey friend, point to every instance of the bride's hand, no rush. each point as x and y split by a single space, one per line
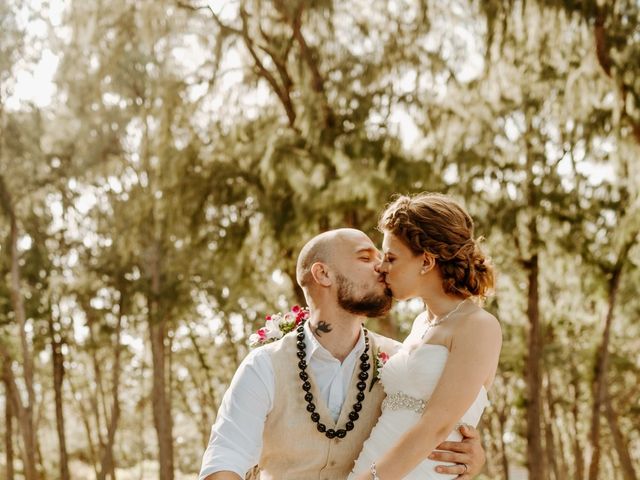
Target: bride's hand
467 454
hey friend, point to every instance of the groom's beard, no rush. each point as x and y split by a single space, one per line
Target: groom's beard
370 305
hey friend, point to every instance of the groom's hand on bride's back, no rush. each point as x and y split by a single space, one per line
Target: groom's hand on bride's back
468 452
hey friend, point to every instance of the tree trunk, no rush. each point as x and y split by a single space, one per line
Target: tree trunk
43 403
96 399
578 456
8 425
57 362
489 436
550 453
619 442
161 402
564 443
141 422
602 361
502 422
25 419
231 346
86 422
555 413
106 422
535 452
107 462
161 407
24 412
550 445
209 398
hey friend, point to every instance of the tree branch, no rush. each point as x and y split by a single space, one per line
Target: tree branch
602 47
224 28
605 61
282 92
317 80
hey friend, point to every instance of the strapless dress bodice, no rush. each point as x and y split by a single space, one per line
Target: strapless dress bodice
409 379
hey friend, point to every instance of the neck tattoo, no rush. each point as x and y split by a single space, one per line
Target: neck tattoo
308 396
323 327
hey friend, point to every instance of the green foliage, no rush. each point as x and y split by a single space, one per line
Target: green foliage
189 153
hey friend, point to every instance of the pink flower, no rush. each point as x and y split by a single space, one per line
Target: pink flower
383 356
262 333
268 317
300 313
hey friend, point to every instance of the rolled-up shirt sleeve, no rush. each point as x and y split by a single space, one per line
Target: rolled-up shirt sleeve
235 443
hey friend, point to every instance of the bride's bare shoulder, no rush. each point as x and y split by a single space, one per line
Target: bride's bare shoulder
480 320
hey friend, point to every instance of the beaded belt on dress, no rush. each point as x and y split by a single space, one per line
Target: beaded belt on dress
402 401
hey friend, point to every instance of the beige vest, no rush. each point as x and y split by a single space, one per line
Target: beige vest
293 449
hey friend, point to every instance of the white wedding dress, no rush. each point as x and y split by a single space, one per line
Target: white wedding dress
409 378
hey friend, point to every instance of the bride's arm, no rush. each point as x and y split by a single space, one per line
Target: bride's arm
475 350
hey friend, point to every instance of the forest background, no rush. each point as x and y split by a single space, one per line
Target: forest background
162 162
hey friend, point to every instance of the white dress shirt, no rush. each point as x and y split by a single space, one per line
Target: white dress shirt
236 437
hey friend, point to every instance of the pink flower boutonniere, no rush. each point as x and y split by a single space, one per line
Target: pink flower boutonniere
277 325
380 359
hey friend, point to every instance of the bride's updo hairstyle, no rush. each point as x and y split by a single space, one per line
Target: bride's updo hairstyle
437 224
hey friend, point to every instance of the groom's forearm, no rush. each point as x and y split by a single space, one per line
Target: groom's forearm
223 476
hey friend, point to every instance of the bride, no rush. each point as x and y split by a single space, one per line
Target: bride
441 375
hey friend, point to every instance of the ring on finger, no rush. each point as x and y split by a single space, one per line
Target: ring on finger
466 468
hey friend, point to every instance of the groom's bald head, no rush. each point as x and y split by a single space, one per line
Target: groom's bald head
323 248
318 249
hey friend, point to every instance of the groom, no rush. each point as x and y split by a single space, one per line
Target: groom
301 407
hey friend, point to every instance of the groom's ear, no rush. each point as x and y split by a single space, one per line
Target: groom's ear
321 274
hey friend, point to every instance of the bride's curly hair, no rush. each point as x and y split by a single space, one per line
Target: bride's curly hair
437 224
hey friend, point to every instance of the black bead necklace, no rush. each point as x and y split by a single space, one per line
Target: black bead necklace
308 396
